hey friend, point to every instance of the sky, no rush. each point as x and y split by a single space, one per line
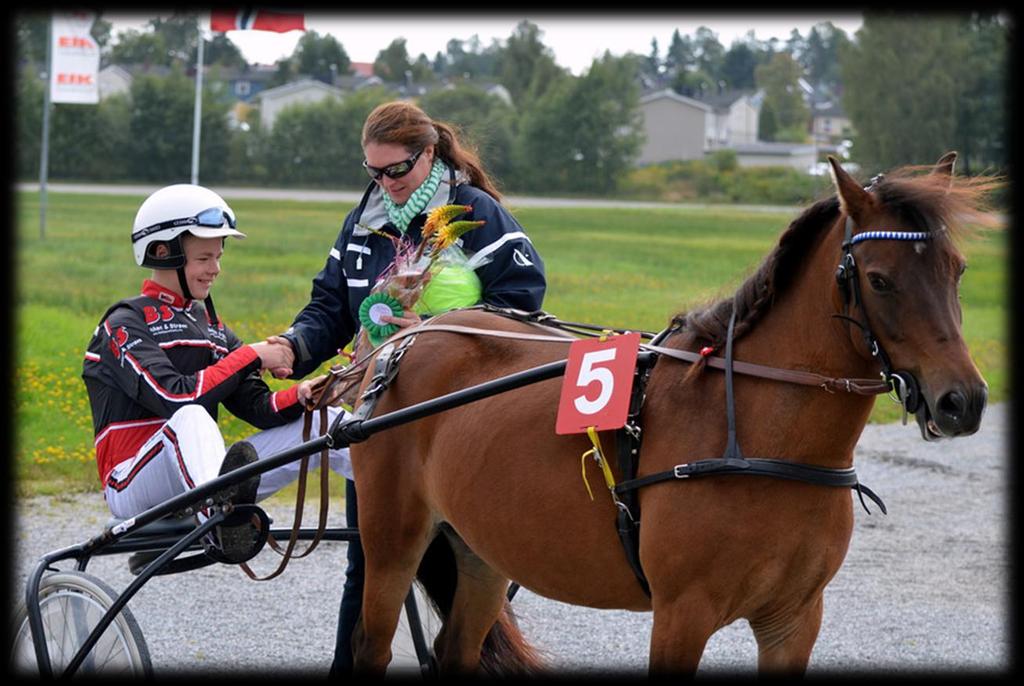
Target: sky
575 39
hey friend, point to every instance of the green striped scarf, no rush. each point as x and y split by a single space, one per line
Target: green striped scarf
401 215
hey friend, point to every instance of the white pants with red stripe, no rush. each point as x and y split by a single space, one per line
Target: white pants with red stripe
188 450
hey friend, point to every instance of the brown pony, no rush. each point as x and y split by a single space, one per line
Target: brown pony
491 489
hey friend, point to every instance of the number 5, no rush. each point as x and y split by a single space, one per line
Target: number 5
588 374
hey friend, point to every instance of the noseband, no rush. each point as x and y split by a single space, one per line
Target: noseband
902 382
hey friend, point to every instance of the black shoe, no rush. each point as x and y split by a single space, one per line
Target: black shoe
240 542
239 455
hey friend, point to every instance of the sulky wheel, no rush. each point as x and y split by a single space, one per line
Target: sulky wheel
71 604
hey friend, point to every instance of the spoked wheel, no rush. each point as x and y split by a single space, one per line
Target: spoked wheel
72 604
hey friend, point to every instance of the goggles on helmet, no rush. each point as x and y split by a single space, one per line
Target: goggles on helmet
215 217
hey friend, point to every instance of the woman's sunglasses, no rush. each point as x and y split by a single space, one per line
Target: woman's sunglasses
392 171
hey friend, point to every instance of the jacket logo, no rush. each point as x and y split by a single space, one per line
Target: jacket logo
117 341
153 315
520 258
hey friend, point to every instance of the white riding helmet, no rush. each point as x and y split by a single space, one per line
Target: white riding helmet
170 212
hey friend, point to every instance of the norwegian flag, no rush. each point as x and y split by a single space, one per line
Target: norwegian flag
251 19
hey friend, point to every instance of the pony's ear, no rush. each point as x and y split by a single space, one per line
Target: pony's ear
945 165
854 200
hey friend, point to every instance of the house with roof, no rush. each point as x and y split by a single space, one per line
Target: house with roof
829 123
244 84
734 119
364 69
303 92
112 80
675 127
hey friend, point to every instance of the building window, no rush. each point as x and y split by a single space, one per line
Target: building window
242 88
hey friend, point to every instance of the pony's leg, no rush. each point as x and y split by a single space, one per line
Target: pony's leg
679 633
479 600
785 641
390 570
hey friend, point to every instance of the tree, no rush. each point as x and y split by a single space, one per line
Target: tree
903 80
28 122
782 93
710 53
526 67
319 143
140 47
286 71
30 32
653 65
220 50
321 56
486 123
680 55
820 58
392 62
693 84
585 132
767 126
469 59
159 140
738 65
422 70
30 37
981 111
815 57
173 40
796 45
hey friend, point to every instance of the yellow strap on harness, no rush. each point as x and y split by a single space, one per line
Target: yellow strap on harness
601 461
596 450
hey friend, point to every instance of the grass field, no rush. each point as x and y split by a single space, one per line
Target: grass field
628 268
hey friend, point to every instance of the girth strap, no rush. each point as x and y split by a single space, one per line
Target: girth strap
757 466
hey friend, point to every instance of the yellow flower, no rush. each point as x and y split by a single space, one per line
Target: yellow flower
439 217
448 234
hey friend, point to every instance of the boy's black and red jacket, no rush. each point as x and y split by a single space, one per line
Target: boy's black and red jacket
155 353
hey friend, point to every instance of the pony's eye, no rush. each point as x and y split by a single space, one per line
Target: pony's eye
879 283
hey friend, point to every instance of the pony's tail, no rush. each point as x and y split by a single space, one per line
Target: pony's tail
505 651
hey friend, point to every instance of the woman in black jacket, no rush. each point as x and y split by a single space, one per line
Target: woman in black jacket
416 165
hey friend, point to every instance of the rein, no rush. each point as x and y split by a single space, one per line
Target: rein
831 384
300 499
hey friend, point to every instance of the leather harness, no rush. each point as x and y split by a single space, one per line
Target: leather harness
628 439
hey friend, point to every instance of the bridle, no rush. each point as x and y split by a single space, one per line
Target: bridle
905 386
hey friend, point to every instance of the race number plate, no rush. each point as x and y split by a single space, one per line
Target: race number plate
597 384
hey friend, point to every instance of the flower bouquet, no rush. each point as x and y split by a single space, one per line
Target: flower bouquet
432 277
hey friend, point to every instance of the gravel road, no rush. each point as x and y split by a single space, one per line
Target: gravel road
923 590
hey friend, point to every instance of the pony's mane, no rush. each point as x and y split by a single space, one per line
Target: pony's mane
927 202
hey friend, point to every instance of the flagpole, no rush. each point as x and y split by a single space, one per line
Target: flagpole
44 153
197 117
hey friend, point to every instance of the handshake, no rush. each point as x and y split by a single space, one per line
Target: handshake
276 355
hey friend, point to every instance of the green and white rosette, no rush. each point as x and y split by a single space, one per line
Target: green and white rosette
375 306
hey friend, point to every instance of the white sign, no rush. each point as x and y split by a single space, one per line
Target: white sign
74 72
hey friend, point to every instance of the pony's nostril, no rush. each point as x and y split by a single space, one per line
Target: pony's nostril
953 405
